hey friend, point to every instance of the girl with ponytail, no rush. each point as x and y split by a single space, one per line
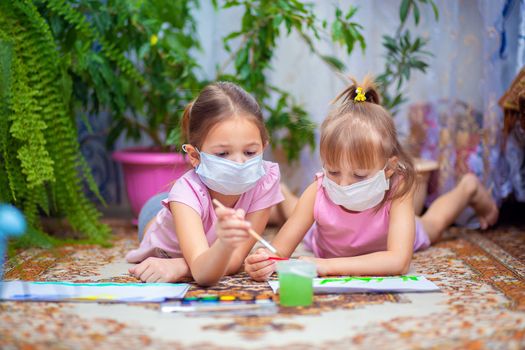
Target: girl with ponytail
358 215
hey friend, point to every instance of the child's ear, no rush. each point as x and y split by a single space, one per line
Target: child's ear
392 164
193 155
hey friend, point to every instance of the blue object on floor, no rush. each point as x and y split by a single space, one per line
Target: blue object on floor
12 224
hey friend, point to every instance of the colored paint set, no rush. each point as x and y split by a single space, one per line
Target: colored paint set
212 304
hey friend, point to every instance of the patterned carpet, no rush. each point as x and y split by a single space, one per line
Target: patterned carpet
482 305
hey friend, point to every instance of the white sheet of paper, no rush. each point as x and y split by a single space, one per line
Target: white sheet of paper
113 292
369 284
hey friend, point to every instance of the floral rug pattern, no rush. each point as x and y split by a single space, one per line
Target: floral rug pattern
481 305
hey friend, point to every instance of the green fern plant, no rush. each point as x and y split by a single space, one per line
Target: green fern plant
404 54
146 97
41 168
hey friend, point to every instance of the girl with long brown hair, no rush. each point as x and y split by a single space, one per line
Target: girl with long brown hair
226 136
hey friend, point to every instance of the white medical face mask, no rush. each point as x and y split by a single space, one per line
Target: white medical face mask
229 177
360 196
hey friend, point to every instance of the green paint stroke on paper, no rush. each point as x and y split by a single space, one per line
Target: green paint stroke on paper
367 279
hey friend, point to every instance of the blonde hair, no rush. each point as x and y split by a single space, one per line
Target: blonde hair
363 134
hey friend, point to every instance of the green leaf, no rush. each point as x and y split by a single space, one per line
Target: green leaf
230 3
404 9
362 42
244 72
436 11
277 20
231 36
174 137
416 45
416 14
405 71
349 41
390 43
242 57
351 12
337 29
334 62
417 64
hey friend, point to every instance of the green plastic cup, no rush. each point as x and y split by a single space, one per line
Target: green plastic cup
296 282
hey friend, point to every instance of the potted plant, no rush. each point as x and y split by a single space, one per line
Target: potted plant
161 37
288 123
134 59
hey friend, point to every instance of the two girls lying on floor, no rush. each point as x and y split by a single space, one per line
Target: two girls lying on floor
357 216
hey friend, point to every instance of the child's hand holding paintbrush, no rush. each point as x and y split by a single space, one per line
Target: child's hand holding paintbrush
232 228
264 259
261 264
251 231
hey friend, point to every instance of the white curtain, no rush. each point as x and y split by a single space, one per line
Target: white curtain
476 55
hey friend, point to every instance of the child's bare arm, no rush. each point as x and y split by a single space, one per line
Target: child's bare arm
394 261
258 220
288 237
207 263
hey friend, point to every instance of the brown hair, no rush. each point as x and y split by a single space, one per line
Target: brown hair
215 103
363 134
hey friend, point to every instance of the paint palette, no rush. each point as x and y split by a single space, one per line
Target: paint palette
224 305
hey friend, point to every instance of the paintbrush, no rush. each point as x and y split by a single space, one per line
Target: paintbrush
252 232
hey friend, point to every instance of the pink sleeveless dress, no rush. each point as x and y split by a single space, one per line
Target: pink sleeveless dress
339 233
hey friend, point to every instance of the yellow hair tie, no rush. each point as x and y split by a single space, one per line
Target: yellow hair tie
360 97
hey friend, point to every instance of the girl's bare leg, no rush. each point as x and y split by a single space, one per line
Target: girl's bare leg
444 210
